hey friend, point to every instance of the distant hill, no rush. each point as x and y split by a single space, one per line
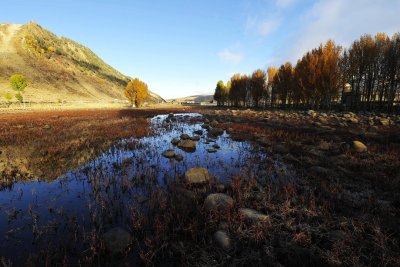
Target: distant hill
195 98
57 68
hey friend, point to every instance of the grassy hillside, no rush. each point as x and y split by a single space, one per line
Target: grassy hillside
195 98
57 68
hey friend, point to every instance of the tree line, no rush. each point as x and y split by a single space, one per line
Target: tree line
364 76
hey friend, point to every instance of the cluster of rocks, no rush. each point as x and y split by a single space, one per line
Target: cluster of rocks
188 143
220 203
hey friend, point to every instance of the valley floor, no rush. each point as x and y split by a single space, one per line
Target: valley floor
343 208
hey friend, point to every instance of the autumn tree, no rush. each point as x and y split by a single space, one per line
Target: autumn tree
283 82
234 93
257 86
136 92
270 92
221 93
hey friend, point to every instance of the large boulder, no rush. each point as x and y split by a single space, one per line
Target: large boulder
117 240
218 202
359 147
197 176
187 145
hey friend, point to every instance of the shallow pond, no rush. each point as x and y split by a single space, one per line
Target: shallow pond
100 194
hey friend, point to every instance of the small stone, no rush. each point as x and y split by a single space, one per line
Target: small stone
216 146
384 122
170 153
218 202
185 136
220 188
47 126
178 157
195 138
116 240
229 130
212 150
205 126
214 123
352 120
197 176
253 215
223 240
175 141
359 147
215 132
187 145
198 132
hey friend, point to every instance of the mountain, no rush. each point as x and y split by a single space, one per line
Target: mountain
195 98
57 68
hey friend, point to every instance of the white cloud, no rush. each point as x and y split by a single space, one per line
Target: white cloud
263 27
284 3
344 21
231 57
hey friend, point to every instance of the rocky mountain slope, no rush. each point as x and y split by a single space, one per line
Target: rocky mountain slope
57 68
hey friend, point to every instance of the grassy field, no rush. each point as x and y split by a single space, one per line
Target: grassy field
343 208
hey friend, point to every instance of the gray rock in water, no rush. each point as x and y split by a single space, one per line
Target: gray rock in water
187 145
216 146
359 147
218 202
253 215
170 153
211 150
223 240
175 141
117 240
197 176
185 136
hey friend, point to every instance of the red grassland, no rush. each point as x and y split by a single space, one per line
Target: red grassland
46 144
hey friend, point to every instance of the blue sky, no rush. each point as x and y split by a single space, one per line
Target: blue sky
183 47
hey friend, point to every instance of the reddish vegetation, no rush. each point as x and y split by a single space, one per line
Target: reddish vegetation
341 210
46 144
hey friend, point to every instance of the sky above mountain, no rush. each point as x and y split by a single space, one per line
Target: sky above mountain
182 48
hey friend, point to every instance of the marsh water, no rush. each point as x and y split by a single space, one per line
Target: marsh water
99 195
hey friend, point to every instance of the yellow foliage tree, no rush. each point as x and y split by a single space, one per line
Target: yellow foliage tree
136 92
